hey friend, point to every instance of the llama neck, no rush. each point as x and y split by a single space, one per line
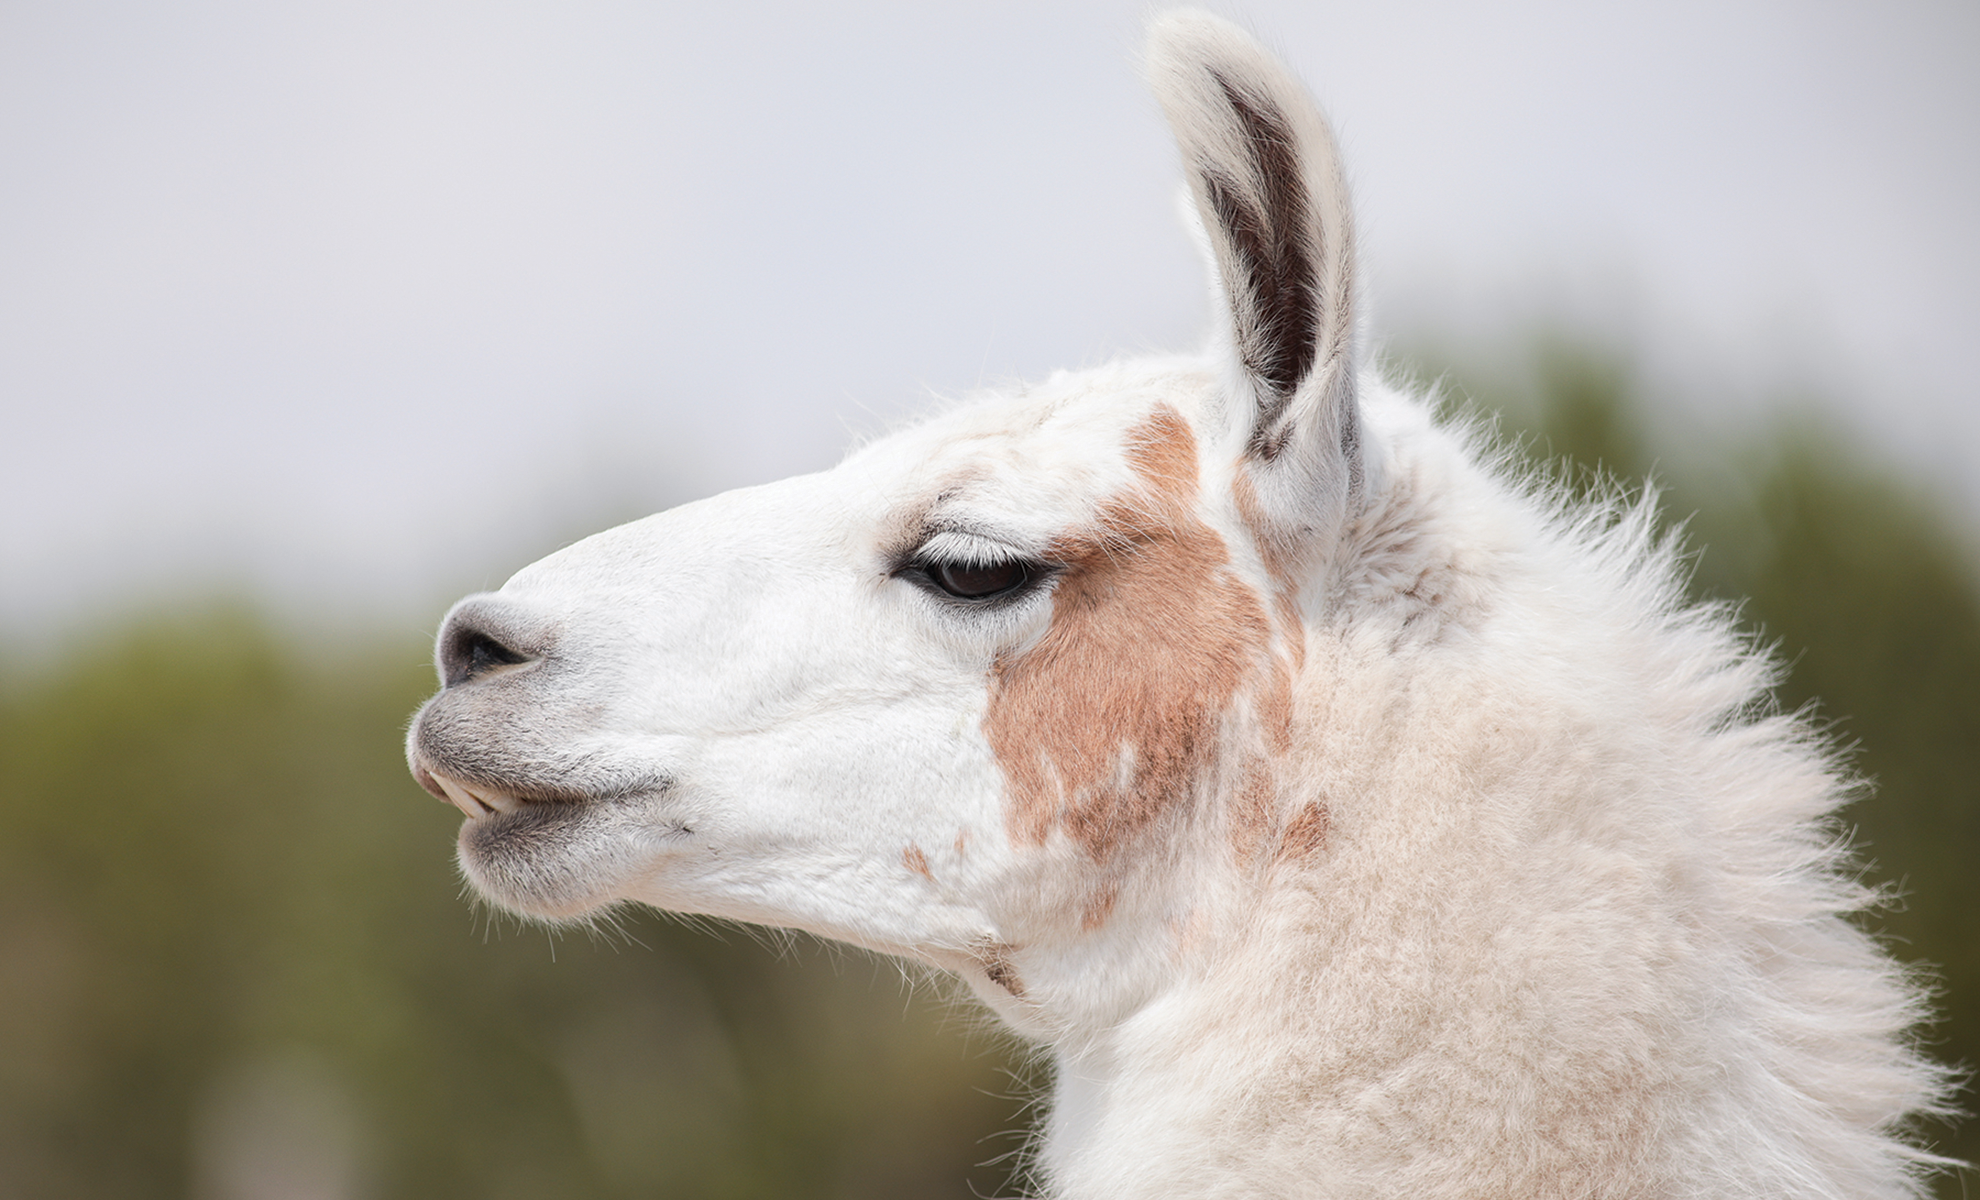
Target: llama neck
1348 1029
1439 971
1508 973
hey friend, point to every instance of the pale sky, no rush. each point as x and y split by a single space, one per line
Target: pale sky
356 305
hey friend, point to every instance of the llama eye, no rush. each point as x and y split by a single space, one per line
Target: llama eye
986 571
979 582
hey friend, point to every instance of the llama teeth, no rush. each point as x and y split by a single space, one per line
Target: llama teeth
493 802
471 806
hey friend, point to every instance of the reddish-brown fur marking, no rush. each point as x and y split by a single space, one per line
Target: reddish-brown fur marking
996 960
1290 657
1252 811
1151 638
1281 565
916 861
1305 834
1099 904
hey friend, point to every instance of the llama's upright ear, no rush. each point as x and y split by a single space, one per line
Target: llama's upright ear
1266 178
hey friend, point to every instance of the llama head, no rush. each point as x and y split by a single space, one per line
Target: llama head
1005 683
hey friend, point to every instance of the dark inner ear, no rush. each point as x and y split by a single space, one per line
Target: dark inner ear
1273 276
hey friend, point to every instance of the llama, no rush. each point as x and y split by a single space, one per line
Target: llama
1344 814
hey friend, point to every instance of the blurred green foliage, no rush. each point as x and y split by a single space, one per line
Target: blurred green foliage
235 960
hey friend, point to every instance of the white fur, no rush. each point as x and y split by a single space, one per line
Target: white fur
1577 926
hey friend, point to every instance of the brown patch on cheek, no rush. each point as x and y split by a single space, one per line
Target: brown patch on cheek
914 860
1111 718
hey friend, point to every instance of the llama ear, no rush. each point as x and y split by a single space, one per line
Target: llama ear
1266 180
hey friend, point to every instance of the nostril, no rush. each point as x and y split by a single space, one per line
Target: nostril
484 652
469 651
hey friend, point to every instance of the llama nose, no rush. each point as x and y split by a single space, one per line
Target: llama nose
483 637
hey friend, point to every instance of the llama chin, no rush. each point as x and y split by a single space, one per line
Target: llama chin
1346 816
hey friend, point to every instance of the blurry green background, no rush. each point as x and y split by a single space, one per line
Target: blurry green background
235 960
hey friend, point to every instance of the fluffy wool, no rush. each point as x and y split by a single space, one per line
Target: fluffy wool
1343 811
1581 926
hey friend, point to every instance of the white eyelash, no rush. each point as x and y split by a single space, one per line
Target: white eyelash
967 550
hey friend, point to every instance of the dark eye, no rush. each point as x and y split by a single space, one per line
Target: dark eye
979 582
